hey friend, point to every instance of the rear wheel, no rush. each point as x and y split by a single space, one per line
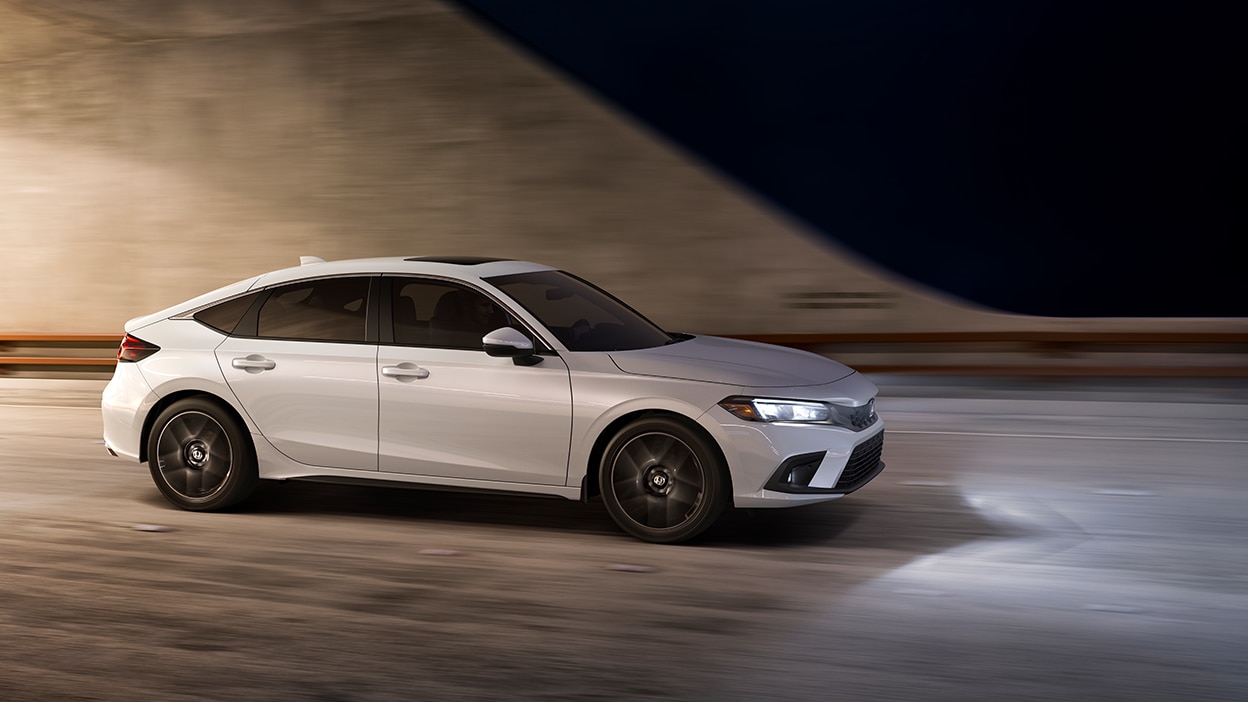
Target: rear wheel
662 481
199 457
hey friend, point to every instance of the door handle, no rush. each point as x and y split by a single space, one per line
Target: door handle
405 371
253 363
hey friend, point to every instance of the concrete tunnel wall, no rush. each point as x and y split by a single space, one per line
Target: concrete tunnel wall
151 150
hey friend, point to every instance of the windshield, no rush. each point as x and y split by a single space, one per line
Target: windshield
581 316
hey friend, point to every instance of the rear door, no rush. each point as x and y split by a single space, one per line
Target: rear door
303 365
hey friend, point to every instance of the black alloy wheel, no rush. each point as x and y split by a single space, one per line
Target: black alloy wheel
662 481
199 457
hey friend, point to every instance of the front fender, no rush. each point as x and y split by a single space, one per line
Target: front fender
600 402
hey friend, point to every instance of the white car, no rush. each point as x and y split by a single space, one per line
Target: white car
479 373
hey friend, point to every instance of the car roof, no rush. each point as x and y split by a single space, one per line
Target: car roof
460 267
467 268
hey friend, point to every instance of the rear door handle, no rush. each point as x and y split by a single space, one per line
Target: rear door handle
253 363
405 371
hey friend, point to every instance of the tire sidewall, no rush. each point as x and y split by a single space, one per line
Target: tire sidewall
714 480
242 477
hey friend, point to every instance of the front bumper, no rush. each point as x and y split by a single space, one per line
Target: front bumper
782 465
809 473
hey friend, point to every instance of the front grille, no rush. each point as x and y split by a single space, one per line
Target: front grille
864 416
857 418
862 464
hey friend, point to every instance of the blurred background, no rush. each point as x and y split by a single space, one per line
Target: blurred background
733 168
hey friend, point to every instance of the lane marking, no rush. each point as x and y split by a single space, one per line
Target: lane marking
1115 608
1067 436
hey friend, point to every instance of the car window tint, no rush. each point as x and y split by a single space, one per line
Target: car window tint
582 316
437 313
333 309
224 317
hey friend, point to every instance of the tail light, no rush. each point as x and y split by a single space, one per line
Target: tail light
135 349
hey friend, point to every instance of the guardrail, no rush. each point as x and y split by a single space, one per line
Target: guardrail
43 354
1032 353
1026 353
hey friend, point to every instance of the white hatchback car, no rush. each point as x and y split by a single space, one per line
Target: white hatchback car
480 373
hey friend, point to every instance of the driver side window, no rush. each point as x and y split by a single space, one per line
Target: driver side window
443 315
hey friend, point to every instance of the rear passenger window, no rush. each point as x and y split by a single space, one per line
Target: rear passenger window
224 317
333 309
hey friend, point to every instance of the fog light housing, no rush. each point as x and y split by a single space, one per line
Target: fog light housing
795 474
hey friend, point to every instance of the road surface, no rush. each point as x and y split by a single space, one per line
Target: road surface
1027 541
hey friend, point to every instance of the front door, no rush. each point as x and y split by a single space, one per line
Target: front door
450 410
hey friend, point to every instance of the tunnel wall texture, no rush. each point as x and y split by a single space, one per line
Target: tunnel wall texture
151 150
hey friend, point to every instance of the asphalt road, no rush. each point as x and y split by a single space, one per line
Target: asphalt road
1028 541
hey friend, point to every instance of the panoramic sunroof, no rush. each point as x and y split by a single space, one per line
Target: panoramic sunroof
457 260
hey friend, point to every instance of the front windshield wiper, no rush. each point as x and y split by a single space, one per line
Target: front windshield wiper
677 337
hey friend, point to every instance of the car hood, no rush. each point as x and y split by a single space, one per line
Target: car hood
714 359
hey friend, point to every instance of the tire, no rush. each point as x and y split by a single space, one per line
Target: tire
199 456
662 481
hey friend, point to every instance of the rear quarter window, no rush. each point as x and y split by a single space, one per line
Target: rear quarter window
225 316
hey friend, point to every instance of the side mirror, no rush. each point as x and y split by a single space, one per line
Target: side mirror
506 342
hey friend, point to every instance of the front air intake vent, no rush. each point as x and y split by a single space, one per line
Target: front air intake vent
862 464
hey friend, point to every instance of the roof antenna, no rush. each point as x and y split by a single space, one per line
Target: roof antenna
306 260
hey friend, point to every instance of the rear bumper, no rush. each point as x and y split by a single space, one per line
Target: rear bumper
124 405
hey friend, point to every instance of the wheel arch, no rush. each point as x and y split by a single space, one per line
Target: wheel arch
171 398
590 487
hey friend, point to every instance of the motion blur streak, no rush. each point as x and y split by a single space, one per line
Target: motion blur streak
191 143
1071 436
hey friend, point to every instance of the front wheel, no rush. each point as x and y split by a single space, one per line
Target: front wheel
199 457
662 481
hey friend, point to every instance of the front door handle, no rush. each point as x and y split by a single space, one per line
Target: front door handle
405 371
253 363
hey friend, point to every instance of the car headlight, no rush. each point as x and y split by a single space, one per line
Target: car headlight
765 409
758 409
